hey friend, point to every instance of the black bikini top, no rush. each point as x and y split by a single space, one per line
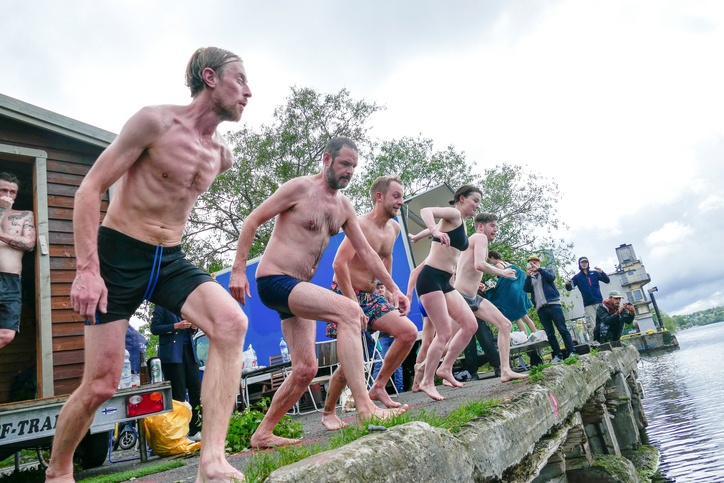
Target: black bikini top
458 238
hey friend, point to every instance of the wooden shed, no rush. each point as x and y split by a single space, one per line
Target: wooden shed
50 154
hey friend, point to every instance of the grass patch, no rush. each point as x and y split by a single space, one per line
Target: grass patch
132 474
571 360
243 424
262 464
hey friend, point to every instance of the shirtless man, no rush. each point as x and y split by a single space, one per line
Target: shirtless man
309 210
17 236
471 267
163 159
353 279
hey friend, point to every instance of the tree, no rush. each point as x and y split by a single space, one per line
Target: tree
290 147
525 203
417 163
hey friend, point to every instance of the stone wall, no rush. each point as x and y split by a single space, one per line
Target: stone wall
554 432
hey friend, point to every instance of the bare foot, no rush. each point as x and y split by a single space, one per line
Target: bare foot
447 376
271 441
60 478
432 392
332 422
380 414
419 372
380 394
510 375
222 472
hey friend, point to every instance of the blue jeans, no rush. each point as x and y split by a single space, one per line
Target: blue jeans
385 341
549 316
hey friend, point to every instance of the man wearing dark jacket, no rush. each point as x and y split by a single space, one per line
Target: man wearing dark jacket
547 302
587 282
611 316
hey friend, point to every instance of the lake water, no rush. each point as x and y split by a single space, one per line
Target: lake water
684 405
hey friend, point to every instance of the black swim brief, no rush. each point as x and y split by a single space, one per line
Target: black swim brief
274 291
432 279
135 271
473 302
10 301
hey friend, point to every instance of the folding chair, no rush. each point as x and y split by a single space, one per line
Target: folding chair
374 358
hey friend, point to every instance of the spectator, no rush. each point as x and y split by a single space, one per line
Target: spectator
179 362
508 294
547 302
611 316
17 236
588 284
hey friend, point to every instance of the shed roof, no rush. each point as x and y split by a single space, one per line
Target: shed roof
51 121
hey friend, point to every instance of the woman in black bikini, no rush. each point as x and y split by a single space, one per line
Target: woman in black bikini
444 305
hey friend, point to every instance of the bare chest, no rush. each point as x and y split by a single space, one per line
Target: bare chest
319 217
185 161
12 222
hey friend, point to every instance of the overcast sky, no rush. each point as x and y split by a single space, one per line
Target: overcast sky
619 102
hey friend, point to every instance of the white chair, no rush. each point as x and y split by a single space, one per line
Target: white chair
372 359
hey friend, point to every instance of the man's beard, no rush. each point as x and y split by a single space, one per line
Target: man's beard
334 183
226 114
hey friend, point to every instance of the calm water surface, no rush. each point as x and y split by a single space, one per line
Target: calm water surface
684 405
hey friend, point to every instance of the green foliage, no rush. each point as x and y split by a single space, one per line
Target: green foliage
571 360
702 317
243 424
133 474
262 464
536 373
417 163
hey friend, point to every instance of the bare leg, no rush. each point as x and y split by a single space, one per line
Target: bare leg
459 312
299 334
435 304
428 332
405 334
6 337
329 413
489 312
315 303
529 322
212 309
104 353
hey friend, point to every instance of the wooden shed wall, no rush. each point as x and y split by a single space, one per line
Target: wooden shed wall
68 162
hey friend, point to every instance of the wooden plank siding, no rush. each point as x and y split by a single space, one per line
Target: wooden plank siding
68 161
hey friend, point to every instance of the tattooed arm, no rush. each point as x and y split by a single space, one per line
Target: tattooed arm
17 229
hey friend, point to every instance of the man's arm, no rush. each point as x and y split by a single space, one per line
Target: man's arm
603 276
371 259
281 200
571 283
480 255
344 255
413 279
89 291
26 240
162 321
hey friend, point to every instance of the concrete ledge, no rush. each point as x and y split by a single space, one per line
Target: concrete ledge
484 449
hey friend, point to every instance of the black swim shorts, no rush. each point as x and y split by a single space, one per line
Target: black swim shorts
473 302
10 303
135 271
274 292
432 279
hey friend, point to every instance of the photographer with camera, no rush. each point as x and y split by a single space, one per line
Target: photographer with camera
611 316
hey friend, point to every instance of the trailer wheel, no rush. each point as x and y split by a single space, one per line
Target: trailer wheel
93 450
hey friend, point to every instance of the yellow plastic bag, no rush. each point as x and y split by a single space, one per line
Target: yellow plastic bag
166 433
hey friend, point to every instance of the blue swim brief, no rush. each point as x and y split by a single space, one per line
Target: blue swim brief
274 291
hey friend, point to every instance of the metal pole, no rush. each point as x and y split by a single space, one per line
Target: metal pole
656 309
